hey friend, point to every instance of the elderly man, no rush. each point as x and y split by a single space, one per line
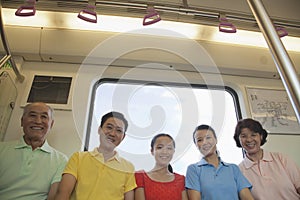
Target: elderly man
30 168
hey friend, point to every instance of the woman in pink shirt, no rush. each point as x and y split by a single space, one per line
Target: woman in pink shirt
273 175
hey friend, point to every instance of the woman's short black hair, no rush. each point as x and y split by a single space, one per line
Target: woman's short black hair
254 126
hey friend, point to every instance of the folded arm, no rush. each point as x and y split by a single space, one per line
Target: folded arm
194 194
66 187
52 191
129 195
245 194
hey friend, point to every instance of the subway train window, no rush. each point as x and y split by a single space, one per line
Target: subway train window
153 108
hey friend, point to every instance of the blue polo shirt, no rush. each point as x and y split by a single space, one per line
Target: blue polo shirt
27 174
224 182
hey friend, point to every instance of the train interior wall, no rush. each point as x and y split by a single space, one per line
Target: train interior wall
239 67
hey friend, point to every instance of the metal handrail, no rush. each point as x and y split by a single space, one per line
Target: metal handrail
20 77
283 63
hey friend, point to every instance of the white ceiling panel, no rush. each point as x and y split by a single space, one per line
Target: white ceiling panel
278 9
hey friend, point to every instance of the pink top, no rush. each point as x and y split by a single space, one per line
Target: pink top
274 177
155 190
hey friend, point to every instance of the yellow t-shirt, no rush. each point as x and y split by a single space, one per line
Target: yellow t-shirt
99 180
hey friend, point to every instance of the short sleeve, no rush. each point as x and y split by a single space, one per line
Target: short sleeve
139 178
60 168
291 168
180 181
241 181
192 181
130 183
72 165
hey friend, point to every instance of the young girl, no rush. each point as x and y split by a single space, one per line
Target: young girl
211 178
160 183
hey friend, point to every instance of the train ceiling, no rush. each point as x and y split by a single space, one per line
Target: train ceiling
206 12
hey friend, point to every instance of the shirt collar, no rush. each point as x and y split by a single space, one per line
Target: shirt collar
204 162
96 153
22 144
266 157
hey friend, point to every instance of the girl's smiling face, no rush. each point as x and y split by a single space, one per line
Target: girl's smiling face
163 150
205 142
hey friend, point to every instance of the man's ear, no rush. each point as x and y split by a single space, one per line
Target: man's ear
123 136
99 130
52 123
152 152
21 121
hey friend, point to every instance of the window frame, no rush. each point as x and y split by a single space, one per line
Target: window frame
98 83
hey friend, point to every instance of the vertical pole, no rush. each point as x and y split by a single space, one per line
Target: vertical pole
20 77
281 58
